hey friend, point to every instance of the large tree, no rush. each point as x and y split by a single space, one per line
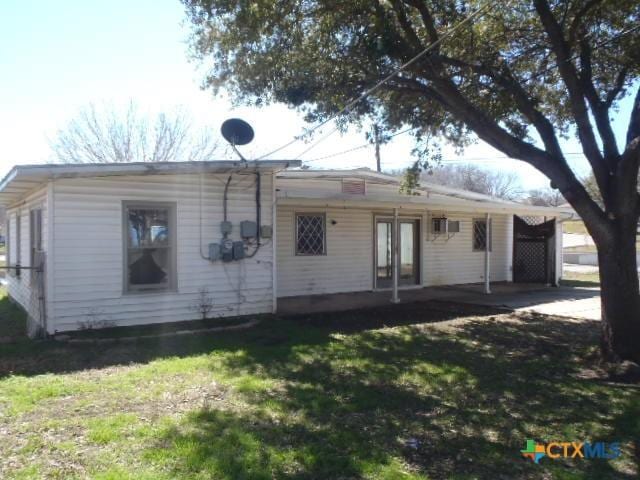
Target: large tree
519 76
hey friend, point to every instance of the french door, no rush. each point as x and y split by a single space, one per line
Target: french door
408 238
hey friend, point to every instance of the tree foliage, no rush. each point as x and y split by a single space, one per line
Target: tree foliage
103 135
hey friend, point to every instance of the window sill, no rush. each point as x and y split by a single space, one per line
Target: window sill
154 291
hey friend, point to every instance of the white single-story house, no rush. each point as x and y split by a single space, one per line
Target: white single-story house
94 245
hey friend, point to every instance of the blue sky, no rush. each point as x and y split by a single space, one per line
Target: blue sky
58 56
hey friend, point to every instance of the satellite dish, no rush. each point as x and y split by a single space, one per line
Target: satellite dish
237 131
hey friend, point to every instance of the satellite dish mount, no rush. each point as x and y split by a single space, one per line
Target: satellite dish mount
237 132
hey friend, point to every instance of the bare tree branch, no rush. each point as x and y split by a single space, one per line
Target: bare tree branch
108 136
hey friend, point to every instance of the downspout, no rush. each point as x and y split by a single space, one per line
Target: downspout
487 255
396 256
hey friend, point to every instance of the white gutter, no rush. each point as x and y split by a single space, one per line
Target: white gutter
45 171
407 202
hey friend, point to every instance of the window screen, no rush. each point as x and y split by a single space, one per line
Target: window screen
480 235
310 234
150 247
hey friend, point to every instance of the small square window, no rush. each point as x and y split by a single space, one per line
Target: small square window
310 234
480 235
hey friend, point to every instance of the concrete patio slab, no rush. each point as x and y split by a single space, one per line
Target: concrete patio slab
565 301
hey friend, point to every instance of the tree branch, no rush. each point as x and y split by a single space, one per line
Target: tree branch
633 131
427 18
406 25
617 88
599 109
576 96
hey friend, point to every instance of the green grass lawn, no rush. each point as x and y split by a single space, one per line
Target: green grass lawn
574 226
578 279
412 391
13 323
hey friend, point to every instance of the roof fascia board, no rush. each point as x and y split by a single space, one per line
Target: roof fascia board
416 201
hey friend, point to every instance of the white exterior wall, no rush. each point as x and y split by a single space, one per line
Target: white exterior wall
88 270
450 260
348 264
23 289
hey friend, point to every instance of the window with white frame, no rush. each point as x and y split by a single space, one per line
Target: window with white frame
310 234
150 246
481 235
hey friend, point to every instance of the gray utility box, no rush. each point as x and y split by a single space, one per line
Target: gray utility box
248 229
226 250
238 250
225 227
214 252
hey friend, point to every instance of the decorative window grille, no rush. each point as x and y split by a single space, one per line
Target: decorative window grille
353 187
481 235
310 234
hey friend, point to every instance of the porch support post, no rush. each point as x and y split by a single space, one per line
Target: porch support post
487 255
396 256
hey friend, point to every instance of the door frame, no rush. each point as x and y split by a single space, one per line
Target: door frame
419 253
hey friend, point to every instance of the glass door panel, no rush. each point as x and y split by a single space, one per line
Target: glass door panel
409 253
384 253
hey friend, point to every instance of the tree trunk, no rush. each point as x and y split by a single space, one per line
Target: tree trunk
619 294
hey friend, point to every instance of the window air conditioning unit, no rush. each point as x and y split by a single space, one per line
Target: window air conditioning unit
444 226
439 225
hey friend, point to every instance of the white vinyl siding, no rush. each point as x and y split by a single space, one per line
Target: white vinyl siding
451 260
89 266
348 264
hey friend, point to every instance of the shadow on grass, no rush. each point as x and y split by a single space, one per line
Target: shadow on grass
432 403
347 401
13 320
48 356
579 283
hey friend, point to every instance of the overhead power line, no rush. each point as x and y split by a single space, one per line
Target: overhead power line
359 147
369 91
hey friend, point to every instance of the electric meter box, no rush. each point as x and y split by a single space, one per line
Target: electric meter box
248 229
225 227
238 250
226 250
214 252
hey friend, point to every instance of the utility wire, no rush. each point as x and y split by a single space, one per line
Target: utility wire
364 145
369 91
